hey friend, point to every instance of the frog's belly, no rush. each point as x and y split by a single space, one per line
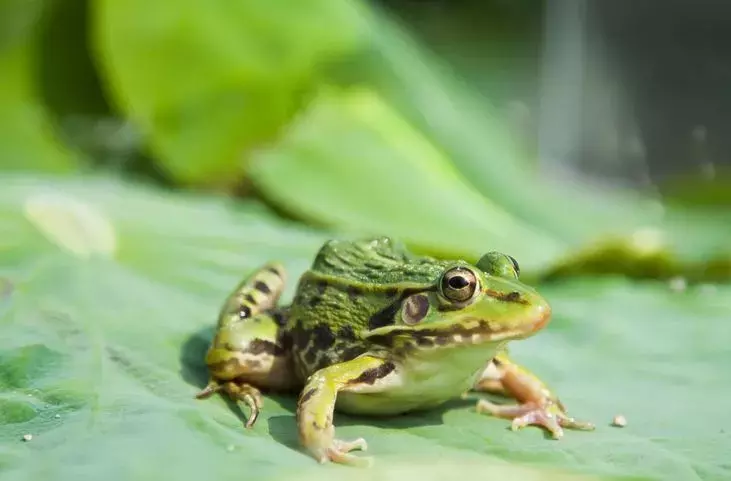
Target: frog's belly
408 395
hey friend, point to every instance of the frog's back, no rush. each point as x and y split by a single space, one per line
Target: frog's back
378 261
352 287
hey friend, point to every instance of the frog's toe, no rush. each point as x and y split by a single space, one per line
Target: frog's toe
550 415
347 446
339 452
572 423
212 388
249 395
523 415
253 401
539 417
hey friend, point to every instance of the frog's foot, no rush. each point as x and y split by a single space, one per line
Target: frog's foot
246 393
339 452
548 414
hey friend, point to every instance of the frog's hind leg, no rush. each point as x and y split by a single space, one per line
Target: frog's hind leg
536 403
257 293
250 350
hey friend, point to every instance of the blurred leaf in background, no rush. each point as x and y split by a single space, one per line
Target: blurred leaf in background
200 90
354 163
206 82
27 137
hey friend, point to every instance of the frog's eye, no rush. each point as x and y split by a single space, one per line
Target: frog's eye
459 284
516 266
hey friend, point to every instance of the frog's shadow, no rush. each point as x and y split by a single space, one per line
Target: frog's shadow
283 428
192 367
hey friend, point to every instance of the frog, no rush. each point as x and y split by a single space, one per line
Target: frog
374 329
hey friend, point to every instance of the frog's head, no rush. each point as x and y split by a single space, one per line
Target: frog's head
468 304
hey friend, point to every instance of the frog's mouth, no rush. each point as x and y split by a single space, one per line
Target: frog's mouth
469 331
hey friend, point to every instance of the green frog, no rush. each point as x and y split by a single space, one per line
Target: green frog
374 329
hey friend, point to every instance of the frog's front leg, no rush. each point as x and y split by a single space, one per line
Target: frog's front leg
317 403
536 403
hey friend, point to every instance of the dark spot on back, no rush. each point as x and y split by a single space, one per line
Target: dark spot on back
346 333
274 271
321 286
314 300
370 376
384 317
391 292
354 292
262 287
497 362
323 337
244 312
249 298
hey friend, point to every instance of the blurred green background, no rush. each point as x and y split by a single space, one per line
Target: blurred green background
153 153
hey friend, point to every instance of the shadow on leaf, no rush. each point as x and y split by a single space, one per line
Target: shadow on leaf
192 355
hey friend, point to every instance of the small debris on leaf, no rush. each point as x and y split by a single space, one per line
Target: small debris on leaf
27 437
619 421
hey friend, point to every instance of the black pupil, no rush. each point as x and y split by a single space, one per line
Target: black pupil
458 282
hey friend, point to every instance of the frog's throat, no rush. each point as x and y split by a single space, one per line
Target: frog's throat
469 331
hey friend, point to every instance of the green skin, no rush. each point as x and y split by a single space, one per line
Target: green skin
376 330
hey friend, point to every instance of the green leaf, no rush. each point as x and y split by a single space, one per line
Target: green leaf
372 159
476 137
28 138
108 295
207 81
352 162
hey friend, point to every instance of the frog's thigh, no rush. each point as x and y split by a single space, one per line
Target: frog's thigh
505 377
256 294
317 402
246 356
252 350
